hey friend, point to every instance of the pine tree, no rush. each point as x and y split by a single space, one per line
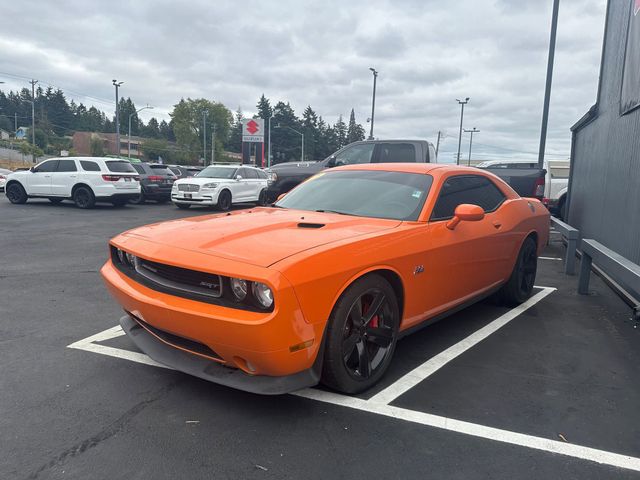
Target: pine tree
355 131
340 132
311 134
235 137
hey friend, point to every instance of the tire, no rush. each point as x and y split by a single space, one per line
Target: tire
183 206
359 346
139 200
84 198
224 200
520 284
262 197
16 194
56 200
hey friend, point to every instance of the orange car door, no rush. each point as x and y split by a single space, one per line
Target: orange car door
470 259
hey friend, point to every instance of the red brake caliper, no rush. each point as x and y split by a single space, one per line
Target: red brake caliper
374 321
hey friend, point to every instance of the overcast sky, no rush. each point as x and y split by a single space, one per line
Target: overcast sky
427 52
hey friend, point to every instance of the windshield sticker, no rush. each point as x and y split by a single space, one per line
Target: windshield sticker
416 194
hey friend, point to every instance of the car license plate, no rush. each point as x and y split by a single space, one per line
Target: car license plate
188 195
127 179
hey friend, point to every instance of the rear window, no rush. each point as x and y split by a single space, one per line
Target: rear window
397 153
120 166
161 169
88 166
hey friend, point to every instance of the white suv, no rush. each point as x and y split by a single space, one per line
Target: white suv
85 180
221 185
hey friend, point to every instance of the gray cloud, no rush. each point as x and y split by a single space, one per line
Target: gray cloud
427 52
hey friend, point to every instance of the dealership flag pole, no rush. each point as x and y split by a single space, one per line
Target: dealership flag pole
547 93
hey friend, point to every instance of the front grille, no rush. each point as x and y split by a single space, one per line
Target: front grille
188 187
191 281
176 340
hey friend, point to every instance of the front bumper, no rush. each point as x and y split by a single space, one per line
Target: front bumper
196 198
215 372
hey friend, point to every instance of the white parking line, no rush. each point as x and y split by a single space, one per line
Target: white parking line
434 364
379 403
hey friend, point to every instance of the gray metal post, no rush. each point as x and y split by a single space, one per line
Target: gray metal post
585 273
547 92
373 102
462 104
117 85
475 130
302 147
204 138
570 260
213 145
269 146
438 143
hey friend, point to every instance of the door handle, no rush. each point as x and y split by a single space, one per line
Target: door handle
72 176
497 224
47 176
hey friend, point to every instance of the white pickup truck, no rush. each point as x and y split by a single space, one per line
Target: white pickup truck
556 180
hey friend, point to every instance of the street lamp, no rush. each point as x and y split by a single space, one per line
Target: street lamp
373 101
129 136
462 104
205 113
475 130
299 133
117 85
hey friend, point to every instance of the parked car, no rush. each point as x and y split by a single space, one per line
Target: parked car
3 177
284 176
85 180
156 181
221 185
184 171
556 181
321 286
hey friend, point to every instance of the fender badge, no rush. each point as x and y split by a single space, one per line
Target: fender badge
418 269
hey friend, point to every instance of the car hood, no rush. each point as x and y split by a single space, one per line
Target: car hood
201 180
262 236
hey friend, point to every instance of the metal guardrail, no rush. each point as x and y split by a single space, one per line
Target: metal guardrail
572 235
620 269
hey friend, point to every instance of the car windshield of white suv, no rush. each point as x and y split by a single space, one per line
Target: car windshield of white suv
364 193
218 172
120 166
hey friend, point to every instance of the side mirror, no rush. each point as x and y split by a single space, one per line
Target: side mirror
465 212
332 161
238 177
32 169
280 197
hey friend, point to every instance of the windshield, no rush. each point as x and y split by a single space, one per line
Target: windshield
365 193
218 172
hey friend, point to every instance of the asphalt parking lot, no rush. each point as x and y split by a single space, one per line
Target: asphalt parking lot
549 390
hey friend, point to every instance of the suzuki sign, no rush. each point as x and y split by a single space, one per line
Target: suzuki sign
253 130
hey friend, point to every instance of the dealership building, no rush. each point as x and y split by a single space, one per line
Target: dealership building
604 186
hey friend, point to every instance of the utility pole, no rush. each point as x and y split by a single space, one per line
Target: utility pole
475 130
547 92
462 104
15 122
373 102
269 147
33 111
117 85
204 138
213 145
438 142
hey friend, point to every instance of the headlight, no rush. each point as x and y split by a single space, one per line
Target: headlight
131 259
175 186
263 294
210 185
121 256
239 288
272 177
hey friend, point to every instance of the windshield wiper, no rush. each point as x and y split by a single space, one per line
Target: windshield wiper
334 211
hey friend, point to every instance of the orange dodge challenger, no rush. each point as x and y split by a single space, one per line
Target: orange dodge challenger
320 286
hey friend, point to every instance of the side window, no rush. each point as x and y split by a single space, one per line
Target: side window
472 189
262 175
360 153
396 153
67 166
48 166
138 168
432 154
89 166
251 173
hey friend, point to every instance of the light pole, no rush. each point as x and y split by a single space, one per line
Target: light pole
299 133
117 85
373 101
129 137
33 111
462 104
204 138
475 130
269 146
547 92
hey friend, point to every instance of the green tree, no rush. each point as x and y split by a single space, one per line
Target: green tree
235 137
155 148
187 123
312 136
355 131
151 129
286 144
97 148
341 132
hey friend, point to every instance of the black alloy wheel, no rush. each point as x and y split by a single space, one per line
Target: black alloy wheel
16 194
520 285
84 198
361 336
262 197
138 199
224 200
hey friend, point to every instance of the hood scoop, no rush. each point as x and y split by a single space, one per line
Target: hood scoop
310 225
